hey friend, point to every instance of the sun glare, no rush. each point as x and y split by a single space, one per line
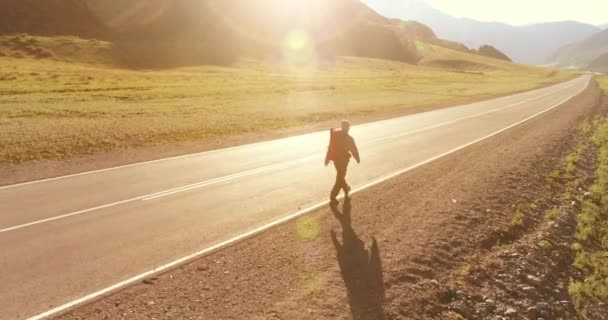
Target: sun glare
299 50
297 40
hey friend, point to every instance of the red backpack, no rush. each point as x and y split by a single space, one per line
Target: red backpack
331 149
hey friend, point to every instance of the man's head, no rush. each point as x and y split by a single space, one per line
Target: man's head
345 126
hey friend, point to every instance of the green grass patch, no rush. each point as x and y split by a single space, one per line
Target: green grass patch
545 245
453 315
59 107
464 270
552 214
592 234
572 159
518 218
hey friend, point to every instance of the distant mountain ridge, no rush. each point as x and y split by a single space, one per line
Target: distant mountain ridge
167 33
587 54
50 18
417 31
190 30
532 44
599 64
583 52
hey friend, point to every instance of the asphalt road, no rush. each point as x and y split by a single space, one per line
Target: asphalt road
65 238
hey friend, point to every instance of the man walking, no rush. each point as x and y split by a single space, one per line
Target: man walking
341 148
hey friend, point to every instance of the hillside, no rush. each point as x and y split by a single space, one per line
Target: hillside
490 51
155 33
534 43
182 32
600 64
49 18
60 48
583 53
416 31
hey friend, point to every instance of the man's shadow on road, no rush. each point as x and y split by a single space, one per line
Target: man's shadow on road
361 270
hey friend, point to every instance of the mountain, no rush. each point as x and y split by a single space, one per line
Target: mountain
49 18
532 44
174 32
417 31
490 51
167 33
599 64
583 53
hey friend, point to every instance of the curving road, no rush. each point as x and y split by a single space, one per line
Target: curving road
64 238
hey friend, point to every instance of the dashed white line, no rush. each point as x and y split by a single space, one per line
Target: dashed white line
162 193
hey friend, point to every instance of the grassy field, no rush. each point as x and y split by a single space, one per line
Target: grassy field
60 107
603 81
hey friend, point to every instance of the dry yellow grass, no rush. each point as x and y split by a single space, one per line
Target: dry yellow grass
603 81
53 109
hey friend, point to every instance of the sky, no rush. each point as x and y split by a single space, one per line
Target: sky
520 12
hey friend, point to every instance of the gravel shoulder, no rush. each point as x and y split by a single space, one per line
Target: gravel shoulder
390 253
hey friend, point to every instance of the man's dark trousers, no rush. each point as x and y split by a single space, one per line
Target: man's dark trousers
341 167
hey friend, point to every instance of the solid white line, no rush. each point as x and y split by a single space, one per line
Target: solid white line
256 231
556 86
163 193
63 216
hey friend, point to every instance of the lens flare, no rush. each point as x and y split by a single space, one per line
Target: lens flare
297 40
298 50
311 283
278 11
421 48
308 228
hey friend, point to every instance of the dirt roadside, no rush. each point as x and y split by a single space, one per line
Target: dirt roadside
391 253
12 174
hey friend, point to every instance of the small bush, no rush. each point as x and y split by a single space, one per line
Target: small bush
552 214
465 270
545 245
518 219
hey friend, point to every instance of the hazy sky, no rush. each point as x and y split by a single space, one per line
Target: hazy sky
526 11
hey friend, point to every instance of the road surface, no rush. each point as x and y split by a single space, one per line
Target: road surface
64 238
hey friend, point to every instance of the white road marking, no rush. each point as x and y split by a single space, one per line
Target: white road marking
227 178
557 86
445 123
203 252
163 193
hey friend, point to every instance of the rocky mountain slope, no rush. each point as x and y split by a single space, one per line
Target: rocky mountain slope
532 44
